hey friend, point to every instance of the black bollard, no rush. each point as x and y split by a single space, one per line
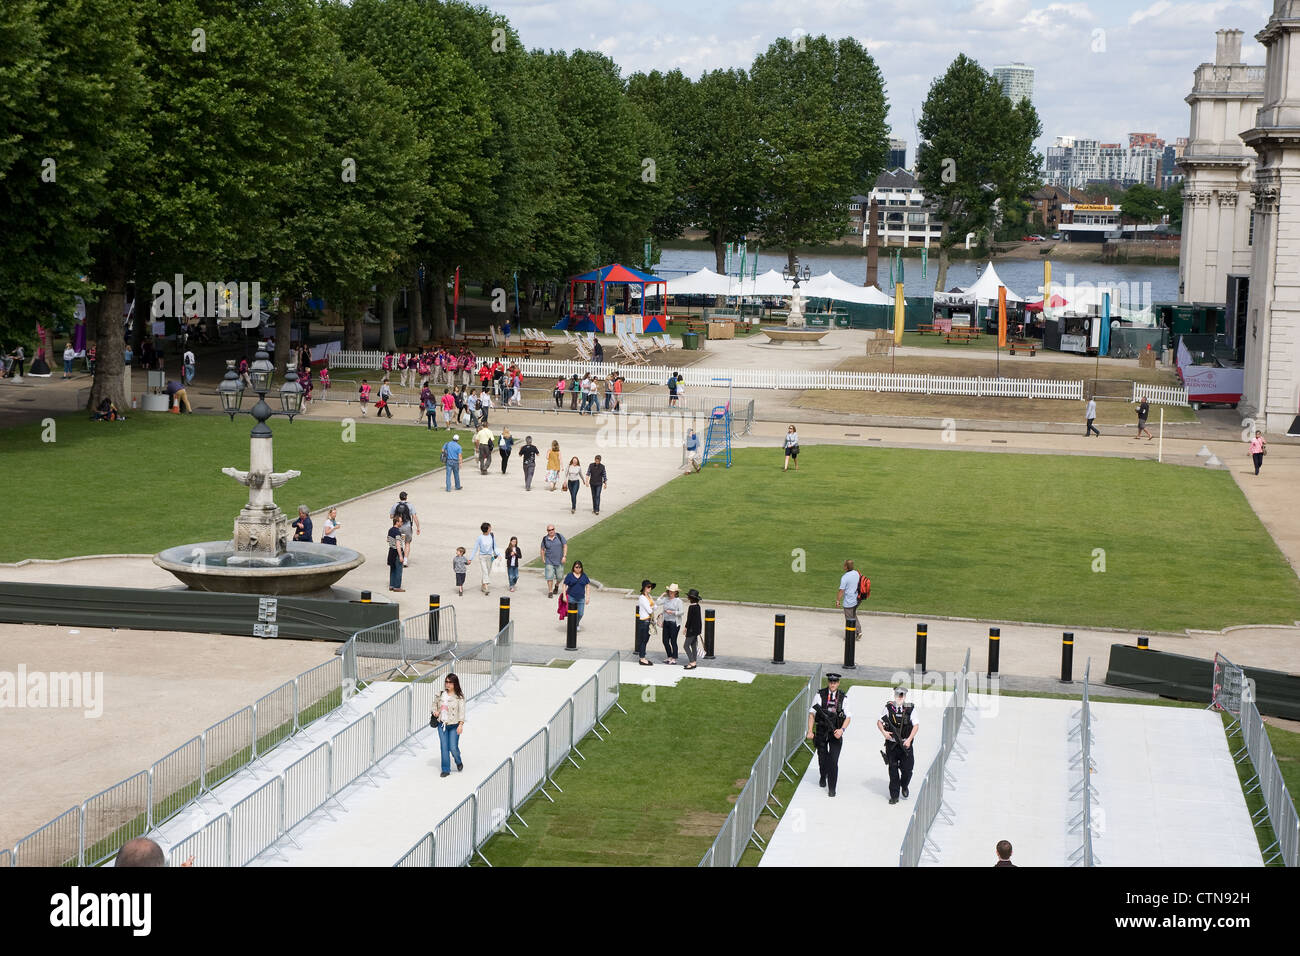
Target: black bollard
708 633
995 635
503 617
571 635
365 597
850 643
922 635
778 640
1144 643
435 607
1067 658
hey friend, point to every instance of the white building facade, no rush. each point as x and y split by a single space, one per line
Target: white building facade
1017 81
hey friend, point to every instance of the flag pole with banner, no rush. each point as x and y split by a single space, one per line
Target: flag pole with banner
1002 316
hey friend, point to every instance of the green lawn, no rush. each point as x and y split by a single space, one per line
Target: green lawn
155 481
656 791
989 536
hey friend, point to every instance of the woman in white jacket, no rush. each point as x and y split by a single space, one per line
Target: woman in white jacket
448 715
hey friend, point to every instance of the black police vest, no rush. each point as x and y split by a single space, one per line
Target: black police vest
899 721
836 709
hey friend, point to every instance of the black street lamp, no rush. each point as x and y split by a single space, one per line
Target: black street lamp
795 275
231 391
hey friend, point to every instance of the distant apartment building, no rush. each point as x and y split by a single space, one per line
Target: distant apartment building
1047 204
1073 162
905 215
1017 81
897 154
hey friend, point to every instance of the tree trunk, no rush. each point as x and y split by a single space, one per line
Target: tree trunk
283 331
353 314
415 305
109 341
873 245
387 341
438 305
790 258
719 252
941 273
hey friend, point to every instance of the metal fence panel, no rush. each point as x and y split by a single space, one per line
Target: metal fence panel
420 855
608 676
275 717
454 836
474 668
559 736
306 786
1229 683
392 723
493 800
350 751
416 633
227 747
176 780
58 843
320 690
256 822
529 767
584 709
424 690
209 847
113 816
721 849
6 858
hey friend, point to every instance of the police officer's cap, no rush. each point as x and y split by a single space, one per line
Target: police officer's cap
900 691
830 678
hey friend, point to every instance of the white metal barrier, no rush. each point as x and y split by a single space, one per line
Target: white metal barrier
256 822
306 786
210 846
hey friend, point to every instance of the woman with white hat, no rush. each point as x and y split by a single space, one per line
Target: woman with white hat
670 612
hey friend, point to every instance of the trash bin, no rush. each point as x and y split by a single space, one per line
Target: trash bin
691 341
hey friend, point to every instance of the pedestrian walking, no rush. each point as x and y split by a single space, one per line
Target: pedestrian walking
428 407
577 589
899 725
694 627
574 389
849 596
528 460
791 448
331 526
364 392
448 407
450 457
302 527
554 552
618 392
1091 415
69 356
1143 410
485 404
692 451
459 567
485 548
596 478
558 392
483 442
645 612
447 715
672 389
189 365
670 621
513 556
1258 449
396 555
553 465
410 519
385 397
573 475
828 718
504 447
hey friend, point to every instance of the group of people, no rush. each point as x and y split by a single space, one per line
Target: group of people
446 367
589 391
829 718
668 614
485 441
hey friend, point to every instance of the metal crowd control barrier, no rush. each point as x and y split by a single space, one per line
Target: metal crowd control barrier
307 785
395 647
209 847
454 843
419 855
256 822
6 858
929 805
93 832
1084 791
739 829
1231 687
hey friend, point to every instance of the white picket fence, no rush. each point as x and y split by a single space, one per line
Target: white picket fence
1160 394
789 378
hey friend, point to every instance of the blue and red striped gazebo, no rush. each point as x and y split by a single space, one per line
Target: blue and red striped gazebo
652 320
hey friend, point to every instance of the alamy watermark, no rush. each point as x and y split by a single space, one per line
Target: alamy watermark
75 690
213 300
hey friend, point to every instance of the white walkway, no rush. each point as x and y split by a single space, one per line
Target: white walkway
1168 793
858 827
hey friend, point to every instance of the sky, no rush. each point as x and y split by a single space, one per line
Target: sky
1103 68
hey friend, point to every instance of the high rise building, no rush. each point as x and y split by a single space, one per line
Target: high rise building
1017 81
897 154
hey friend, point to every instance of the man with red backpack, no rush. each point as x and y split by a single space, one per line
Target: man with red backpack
854 588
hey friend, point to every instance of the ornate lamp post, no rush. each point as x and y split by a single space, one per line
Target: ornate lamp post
261 529
795 275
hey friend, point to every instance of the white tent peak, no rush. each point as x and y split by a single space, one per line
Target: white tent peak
985 288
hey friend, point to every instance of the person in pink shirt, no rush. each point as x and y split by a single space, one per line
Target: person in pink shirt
364 392
1257 451
448 406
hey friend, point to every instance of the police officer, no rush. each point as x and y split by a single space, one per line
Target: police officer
899 727
827 720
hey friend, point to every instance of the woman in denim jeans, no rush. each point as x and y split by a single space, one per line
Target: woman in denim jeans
448 715
513 556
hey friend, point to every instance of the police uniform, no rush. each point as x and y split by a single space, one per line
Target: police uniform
897 722
834 716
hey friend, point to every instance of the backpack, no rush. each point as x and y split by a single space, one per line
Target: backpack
864 586
403 511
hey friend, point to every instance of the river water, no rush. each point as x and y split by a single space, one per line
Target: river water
1024 277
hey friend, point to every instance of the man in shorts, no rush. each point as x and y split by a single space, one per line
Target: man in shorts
554 551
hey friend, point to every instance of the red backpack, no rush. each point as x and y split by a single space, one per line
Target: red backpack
864 586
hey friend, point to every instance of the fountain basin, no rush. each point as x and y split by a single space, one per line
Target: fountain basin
215 566
793 336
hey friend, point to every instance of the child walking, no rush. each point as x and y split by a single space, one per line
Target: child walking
460 564
364 392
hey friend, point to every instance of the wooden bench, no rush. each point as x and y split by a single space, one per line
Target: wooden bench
537 345
1030 347
961 334
520 350
922 329
474 338
697 326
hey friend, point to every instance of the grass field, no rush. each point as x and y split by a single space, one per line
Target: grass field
155 481
657 790
993 536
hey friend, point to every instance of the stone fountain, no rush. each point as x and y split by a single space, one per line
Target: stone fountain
796 331
260 558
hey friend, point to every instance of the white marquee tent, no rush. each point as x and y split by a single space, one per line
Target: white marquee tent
985 288
831 286
704 282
